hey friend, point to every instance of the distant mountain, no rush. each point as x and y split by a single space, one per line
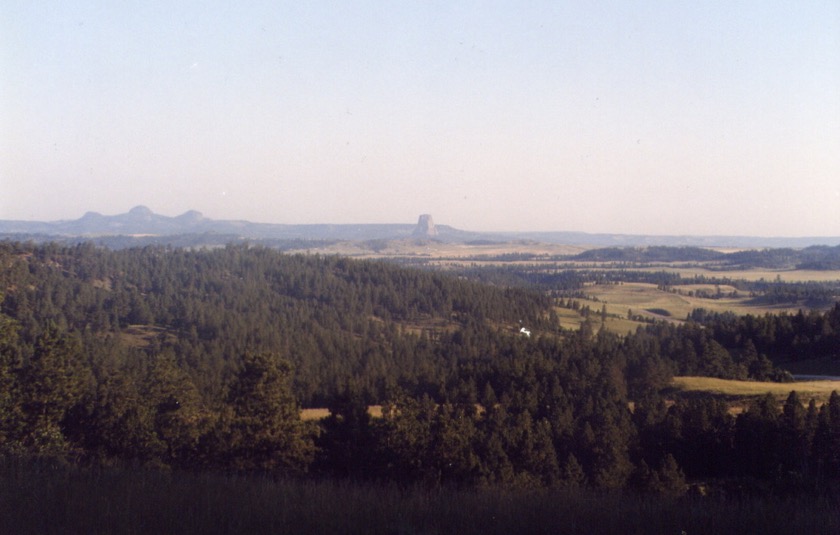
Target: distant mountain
140 221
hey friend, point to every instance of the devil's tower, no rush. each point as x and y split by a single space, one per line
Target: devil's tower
425 227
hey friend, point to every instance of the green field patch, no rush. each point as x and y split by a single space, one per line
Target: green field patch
640 298
569 319
617 322
622 326
643 298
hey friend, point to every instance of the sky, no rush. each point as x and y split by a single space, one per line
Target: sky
678 118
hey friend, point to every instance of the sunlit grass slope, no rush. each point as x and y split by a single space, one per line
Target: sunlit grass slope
819 390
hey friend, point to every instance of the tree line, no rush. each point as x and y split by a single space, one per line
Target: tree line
202 359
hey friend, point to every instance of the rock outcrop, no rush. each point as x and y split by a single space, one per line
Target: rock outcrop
425 227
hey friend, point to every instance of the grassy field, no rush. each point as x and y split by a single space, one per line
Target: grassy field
570 319
643 298
321 413
784 275
481 253
818 390
647 301
644 301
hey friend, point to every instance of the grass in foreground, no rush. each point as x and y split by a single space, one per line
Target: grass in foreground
47 499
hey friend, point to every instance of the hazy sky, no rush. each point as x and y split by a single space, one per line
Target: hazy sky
633 117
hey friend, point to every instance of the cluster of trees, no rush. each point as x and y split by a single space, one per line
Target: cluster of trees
332 318
527 414
564 282
814 257
810 294
817 257
596 442
649 255
202 359
781 337
794 448
59 406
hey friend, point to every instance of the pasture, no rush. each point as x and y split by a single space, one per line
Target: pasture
818 390
782 275
648 302
319 413
645 301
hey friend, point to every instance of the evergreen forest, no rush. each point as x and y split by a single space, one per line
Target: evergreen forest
200 361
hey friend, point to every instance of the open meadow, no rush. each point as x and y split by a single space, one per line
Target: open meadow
647 301
739 390
628 304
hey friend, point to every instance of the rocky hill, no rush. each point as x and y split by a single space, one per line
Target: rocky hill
141 222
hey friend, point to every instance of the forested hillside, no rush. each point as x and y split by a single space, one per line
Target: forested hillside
818 257
202 359
330 317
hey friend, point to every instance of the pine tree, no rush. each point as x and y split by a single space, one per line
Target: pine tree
670 477
793 441
453 434
261 429
833 457
11 415
52 383
117 423
174 400
346 447
405 437
757 437
572 476
611 465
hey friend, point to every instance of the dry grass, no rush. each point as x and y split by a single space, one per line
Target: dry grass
321 413
622 326
819 390
314 414
142 335
788 275
644 298
569 319
477 254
